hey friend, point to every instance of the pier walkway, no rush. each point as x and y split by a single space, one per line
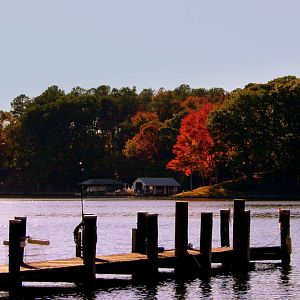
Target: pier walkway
71 269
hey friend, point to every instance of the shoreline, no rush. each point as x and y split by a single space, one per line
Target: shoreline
256 197
247 197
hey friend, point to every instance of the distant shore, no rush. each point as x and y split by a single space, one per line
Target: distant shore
234 189
247 197
59 195
181 196
231 189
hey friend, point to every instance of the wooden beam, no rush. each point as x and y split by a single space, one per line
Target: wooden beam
152 244
89 241
14 265
286 243
238 217
206 240
224 227
23 235
241 235
181 228
141 232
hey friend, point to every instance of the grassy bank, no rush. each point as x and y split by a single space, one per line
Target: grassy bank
239 189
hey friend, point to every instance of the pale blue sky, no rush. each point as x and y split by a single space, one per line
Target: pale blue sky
147 44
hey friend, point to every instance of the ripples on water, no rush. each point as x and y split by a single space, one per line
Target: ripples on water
55 220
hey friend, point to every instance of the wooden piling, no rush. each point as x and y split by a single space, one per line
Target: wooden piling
133 240
181 228
286 244
245 249
141 232
241 235
152 236
89 241
224 227
241 255
206 240
182 265
78 249
152 243
15 234
23 236
238 217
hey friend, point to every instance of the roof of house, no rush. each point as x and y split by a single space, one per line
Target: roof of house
100 182
158 181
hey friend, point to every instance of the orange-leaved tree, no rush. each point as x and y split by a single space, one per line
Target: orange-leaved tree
144 145
144 117
192 149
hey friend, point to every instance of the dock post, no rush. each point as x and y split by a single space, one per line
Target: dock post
181 228
286 245
206 240
238 217
245 250
141 233
133 240
78 250
224 227
152 243
181 235
15 234
241 235
23 236
89 241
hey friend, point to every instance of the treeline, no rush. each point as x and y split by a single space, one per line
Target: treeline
257 131
209 134
43 139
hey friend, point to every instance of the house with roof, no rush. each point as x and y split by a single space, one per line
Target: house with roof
155 186
100 187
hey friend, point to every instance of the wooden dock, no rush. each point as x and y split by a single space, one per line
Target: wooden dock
146 258
70 269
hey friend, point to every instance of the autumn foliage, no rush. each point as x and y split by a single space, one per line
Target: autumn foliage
123 134
192 149
144 145
144 117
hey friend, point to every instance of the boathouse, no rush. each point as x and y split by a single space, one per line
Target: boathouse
100 187
155 186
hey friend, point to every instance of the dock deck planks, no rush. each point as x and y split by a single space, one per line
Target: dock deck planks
70 269
104 260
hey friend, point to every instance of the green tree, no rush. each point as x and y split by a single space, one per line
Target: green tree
51 94
257 129
144 99
182 92
19 105
165 104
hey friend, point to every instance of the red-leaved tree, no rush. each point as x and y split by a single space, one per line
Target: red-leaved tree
192 149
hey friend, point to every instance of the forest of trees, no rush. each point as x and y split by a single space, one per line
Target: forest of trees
210 134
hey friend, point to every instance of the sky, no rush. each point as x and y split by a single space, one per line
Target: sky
147 44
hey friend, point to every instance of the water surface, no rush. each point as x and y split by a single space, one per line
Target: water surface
55 220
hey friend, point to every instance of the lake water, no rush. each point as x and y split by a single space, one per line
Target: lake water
55 220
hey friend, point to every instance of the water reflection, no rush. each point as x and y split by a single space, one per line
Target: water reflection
180 289
151 289
88 294
205 286
285 275
241 283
